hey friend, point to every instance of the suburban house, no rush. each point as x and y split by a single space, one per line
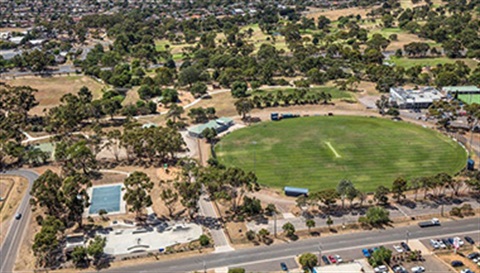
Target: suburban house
220 125
413 99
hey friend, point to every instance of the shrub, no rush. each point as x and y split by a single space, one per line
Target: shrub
204 240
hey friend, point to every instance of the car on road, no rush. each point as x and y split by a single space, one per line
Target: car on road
398 248
283 266
418 269
332 259
380 269
325 260
469 240
456 263
366 253
466 270
18 216
405 246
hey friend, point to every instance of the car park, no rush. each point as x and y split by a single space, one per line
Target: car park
325 260
456 263
405 246
366 253
469 240
332 259
418 269
398 248
380 269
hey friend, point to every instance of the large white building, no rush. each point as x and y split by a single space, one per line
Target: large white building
413 99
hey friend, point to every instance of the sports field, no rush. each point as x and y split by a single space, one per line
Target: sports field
317 152
469 98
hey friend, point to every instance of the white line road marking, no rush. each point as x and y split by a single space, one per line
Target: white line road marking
331 148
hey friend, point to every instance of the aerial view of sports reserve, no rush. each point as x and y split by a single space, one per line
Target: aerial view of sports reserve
238 136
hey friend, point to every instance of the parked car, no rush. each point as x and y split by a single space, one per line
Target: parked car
18 216
398 248
332 259
405 246
466 270
380 269
366 253
283 266
338 258
469 240
434 244
325 260
460 241
441 244
456 263
473 255
446 242
418 269
399 269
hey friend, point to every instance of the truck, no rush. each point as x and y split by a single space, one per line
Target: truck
431 223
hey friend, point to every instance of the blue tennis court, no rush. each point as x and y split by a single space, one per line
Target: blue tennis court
107 198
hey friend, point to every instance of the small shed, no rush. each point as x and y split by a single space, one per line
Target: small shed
291 191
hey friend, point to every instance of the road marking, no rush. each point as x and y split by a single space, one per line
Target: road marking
347 248
333 149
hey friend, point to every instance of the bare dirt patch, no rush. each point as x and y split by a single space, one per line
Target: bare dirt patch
12 190
223 103
51 89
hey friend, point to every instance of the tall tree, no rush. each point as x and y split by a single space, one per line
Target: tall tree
137 188
175 112
243 107
169 198
399 187
46 193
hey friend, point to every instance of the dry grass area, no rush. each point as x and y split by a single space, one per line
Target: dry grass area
184 98
236 232
51 89
25 258
368 88
406 38
223 103
336 13
448 257
12 190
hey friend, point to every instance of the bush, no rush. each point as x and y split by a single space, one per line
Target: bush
204 240
236 270
456 211
250 235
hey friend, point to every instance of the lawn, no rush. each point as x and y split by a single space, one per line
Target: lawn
51 89
410 62
469 98
335 92
317 152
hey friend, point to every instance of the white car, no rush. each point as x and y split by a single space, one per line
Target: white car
380 269
460 241
434 244
398 248
338 258
441 244
418 269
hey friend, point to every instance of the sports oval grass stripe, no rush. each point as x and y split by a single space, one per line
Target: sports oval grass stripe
302 152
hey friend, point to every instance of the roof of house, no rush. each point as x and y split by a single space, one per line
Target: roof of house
215 124
468 88
293 189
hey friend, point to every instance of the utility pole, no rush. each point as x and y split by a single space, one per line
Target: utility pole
407 235
204 267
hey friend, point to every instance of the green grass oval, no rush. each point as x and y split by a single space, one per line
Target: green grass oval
317 152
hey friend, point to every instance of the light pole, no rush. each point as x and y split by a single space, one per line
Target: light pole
407 235
204 267
319 254
254 143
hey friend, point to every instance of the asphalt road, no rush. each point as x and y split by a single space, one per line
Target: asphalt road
263 254
12 242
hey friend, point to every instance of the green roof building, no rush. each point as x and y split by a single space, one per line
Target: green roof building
220 125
